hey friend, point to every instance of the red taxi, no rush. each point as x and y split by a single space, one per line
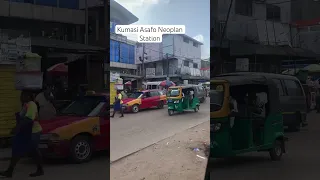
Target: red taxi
144 100
77 131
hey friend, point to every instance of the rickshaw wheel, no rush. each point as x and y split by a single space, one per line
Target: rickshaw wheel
170 112
277 151
196 109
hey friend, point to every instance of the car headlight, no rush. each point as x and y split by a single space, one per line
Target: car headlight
176 101
50 137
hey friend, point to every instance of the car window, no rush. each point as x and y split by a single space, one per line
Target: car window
154 93
147 94
293 88
279 86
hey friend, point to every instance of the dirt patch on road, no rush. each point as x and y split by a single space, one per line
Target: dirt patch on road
180 157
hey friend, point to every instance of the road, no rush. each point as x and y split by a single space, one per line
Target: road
301 161
97 169
134 132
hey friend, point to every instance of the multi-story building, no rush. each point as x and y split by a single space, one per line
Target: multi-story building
258 33
57 31
122 50
305 17
177 58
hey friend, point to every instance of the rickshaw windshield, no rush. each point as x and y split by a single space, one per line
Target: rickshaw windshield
216 96
173 92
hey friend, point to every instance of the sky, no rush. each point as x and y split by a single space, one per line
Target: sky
194 14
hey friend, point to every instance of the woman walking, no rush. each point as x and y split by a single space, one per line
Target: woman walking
26 136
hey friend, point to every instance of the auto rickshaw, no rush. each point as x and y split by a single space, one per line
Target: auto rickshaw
234 131
182 98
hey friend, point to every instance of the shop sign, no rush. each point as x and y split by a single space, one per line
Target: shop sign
114 76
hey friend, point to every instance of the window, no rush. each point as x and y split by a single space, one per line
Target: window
293 88
124 53
273 12
186 40
195 65
154 93
279 86
195 44
186 63
243 7
131 54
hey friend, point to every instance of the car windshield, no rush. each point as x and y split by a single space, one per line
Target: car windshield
135 95
216 97
173 92
82 106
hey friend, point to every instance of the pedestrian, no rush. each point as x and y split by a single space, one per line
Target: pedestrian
26 136
118 105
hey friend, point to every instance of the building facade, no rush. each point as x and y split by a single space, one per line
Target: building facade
259 31
122 50
177 58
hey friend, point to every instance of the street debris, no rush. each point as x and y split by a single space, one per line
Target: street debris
201 157
196 149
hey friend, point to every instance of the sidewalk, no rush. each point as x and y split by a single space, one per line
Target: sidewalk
174 158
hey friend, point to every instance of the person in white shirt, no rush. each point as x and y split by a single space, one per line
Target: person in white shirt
234 109
47 110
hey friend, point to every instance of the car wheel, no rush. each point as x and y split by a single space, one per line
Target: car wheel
160 105
81 149
135 108
277 151
170 112
203 100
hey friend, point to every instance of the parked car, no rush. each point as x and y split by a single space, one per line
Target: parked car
144 100
200 92
80 129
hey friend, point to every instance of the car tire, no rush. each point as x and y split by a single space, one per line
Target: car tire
297 126
81 149
277 151
203 100
135 108
170 112
160 105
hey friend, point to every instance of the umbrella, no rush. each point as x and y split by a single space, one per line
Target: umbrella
129 83
167 83
58 68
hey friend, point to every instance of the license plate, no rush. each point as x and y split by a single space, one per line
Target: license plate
43 146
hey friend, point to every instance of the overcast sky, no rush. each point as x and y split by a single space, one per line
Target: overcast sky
194 14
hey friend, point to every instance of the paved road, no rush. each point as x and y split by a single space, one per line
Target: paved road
302 160
97 169
137 131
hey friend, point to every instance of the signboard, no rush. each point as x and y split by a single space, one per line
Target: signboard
150 72
114 76
242 64
13 48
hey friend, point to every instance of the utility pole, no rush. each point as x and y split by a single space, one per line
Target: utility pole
143 58
220 60
168 71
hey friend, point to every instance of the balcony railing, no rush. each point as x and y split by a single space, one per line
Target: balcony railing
257 31
182 71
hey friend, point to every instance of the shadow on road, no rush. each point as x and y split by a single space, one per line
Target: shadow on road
239 161
99 156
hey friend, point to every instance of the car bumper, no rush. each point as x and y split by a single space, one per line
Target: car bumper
55 150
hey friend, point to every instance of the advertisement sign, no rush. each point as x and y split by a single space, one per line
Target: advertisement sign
114 76
242 64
